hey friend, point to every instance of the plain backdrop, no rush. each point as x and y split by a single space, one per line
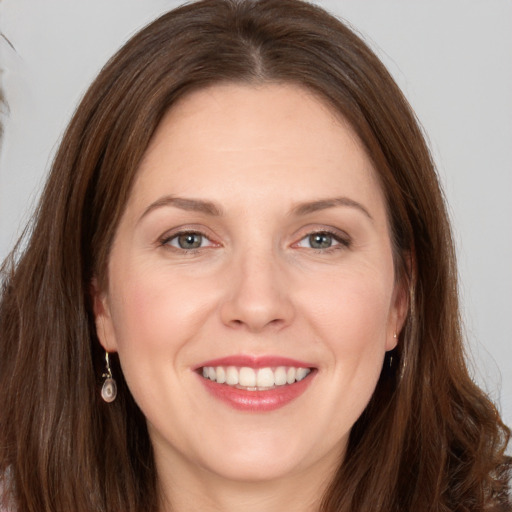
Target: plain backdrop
452 58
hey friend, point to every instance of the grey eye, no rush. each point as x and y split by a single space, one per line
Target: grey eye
323 240
189 241
320 240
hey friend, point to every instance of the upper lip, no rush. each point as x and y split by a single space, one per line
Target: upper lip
255 361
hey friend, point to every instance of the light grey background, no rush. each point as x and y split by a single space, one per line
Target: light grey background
452 58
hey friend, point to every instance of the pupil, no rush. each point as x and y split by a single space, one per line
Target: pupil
320 241
190 241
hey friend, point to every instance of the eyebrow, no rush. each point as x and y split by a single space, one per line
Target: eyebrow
209 208
323 204
195 205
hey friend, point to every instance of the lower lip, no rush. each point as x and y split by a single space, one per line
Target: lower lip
258 401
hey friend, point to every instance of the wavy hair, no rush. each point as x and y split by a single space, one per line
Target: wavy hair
429 439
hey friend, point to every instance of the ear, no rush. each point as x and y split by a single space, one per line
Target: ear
102 317
398 311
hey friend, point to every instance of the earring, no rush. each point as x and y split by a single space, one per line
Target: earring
391 355
109 388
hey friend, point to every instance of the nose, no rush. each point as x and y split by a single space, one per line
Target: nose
257 295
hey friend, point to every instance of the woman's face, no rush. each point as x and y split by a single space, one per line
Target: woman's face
254 250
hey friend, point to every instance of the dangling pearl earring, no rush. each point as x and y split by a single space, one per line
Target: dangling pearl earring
109 388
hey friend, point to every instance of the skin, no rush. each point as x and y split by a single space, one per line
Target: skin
256 286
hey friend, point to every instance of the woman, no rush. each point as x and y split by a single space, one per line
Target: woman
239 289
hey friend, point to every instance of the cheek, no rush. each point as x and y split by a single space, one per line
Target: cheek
355 333
349 317
347 313
155 319
156 310
350 310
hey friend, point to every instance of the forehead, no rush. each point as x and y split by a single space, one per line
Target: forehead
272 137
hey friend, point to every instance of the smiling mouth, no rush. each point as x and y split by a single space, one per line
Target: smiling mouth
251 379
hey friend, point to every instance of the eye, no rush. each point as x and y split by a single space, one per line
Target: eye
322 240
188 241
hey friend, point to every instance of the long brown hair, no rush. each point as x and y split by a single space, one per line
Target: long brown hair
429 439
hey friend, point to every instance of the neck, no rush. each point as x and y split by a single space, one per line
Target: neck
185 490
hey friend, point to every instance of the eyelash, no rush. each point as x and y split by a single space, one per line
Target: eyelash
165 241
343 242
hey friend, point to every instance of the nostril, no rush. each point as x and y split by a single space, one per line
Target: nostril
251 309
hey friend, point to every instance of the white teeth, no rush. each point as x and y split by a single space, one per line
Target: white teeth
231 376
260 379
265 378
301 373
247 377
280 376
221 375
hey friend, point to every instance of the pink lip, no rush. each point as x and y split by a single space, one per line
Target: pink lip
254 362
256 401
